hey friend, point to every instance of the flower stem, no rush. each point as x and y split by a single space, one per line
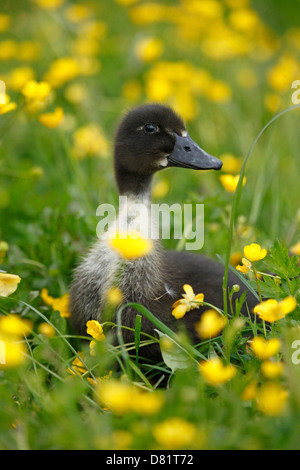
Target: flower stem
257 282
259 293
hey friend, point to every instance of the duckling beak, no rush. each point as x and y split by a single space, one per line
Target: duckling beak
188 154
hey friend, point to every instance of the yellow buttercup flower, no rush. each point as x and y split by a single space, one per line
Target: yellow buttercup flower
271 310
8 283
12 353
231 163
244 19
148 49
218 91
78 368
61 304
188 302
264 348
14 326
46 329
230 182
131 245
271 370
272 399
89 140
147 403
49 4
254 252
215 373
36 91
19 76
283 73
62 70
52 120
174 433
95 329
12 349
245 267
7 106
122 397
210 324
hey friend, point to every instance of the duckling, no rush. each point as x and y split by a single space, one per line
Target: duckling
150 138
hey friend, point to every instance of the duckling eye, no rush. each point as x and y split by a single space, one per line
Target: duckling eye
150 128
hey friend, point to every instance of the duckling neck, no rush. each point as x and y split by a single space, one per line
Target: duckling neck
133 184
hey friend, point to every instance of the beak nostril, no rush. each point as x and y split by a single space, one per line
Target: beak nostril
187 149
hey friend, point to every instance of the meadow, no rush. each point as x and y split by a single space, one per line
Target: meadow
69 71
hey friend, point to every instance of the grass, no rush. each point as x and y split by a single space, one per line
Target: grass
48 201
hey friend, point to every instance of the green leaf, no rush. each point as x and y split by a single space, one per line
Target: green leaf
278 261
137 331
174 356
269 288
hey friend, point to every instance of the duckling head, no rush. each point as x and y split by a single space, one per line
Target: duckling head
152 137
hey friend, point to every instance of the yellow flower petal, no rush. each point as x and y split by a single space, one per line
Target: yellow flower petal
271 370
52 120
174 433
94 328
179 311
263 348
188 290
47 330
254 252
210 324
199 298
288 305
12 354
270 310
15 326
8 283
230 182
36 91
178 302
215 373
60 304
272 399
46 297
